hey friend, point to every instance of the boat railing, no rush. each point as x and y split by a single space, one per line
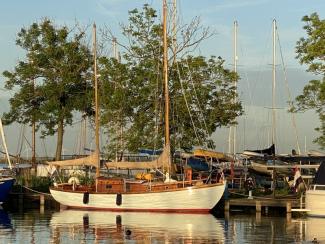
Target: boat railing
316 187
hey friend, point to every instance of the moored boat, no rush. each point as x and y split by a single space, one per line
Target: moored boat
315 195
120 194
6 180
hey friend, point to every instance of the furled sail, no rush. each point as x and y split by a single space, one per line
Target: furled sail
91 160
162 161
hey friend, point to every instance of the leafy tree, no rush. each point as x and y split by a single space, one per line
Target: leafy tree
201 89
311 51
53 81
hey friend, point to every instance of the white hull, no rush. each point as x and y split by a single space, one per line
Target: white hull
261 168
194 199
315 201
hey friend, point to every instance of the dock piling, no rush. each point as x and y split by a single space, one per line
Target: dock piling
42 199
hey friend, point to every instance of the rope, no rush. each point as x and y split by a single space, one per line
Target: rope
187 106
41 193
293 118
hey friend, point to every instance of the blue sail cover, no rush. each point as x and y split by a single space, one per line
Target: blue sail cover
198 164
150 152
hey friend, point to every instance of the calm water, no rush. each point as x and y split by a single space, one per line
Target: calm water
69 226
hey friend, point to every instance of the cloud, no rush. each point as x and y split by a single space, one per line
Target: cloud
112 8
235 4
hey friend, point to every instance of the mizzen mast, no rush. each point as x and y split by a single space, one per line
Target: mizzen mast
96 100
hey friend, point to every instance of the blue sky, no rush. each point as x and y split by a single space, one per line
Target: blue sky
254 44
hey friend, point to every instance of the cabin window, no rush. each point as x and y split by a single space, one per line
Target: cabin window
108 186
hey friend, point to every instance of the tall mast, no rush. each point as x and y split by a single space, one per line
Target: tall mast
235 70
33 132
96 100
232 130
273 84
167 136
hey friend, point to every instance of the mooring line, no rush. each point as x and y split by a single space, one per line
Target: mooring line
39 192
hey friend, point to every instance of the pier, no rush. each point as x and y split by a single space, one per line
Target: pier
261 204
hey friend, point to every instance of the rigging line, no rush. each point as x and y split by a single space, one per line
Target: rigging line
44 147
250 95
20 140
293 117
196 97
193 102
191 97
188 109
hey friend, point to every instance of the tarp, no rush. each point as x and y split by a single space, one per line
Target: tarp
162 161
91 160
266 151
208 153
320 175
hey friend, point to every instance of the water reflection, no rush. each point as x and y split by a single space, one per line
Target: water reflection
69 226
5 223
136 227
315 229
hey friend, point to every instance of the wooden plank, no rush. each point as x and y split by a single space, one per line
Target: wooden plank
263 202
300 210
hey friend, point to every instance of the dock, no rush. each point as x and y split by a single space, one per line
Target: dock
259 203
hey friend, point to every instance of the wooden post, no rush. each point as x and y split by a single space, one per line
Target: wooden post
42 200
227 206
258 216
288 207
258 206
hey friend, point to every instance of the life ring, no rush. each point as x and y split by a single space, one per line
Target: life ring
74 181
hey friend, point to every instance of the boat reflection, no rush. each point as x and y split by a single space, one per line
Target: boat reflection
139 227
5 224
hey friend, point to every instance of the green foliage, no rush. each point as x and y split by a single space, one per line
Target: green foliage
201 90
86 180
311 51
54 79
40 184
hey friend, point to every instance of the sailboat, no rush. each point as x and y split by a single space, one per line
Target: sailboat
6 180
261 161
120 194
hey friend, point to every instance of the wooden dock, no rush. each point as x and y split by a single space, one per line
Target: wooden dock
260 203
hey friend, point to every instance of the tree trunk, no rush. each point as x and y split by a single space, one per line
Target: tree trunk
59 141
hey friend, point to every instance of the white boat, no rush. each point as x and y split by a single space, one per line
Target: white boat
118 194
315 200
187 199
315 195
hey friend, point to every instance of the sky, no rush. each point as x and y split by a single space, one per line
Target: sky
254 56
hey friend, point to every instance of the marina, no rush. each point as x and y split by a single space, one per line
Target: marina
142 122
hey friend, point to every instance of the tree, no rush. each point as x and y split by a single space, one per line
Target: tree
311 51
53 81
201 89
